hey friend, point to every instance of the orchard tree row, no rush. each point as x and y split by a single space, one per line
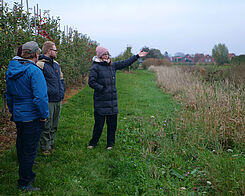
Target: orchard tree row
75 50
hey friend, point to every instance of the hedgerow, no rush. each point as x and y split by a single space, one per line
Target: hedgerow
75 50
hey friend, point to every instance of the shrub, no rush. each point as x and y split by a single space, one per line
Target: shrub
237 60
220 54
156 62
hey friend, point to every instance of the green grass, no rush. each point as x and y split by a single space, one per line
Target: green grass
148 158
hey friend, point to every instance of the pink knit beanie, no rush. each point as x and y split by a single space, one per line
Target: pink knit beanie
100 51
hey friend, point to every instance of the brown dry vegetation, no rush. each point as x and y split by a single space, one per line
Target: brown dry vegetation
238 75
7 133
215 111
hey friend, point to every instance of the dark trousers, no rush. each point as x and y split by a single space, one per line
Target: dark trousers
28 135
111 121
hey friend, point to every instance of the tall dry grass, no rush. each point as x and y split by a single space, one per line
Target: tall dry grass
238 74
214 112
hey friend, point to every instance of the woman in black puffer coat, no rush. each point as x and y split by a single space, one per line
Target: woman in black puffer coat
102 78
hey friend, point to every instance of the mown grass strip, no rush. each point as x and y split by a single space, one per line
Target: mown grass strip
145 160
73 169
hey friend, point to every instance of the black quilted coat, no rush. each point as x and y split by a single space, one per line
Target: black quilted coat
102 78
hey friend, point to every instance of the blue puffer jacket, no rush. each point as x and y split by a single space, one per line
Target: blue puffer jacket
54 78
26 91
102 78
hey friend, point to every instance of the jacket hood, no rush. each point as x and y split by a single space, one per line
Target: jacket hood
45 59
96 59
100 61
18 58
17 67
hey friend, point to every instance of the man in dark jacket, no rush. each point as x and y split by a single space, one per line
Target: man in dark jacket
102 78
27 100
56 90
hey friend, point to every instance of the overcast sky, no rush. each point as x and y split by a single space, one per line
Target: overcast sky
188 26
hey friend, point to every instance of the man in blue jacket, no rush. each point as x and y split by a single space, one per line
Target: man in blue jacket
27 100
56 90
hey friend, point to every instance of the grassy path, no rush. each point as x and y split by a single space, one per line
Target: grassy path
126 170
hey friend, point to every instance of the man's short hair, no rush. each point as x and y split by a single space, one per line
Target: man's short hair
46 46
27 55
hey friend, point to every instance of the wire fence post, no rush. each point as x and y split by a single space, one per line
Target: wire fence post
37 20
21 4
35 25
67 34
37 10
28 17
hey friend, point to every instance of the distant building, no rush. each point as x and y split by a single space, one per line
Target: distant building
176 59
208 59
193 59
188 59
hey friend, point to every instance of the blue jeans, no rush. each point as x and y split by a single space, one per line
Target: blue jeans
28 135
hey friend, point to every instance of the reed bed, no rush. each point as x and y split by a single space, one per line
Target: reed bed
213 114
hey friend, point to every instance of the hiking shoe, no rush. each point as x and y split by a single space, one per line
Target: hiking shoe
52 148
109 148
90 147
46 152
29 188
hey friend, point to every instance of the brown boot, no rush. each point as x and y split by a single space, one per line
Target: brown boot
46 152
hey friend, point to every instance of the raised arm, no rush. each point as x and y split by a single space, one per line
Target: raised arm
142 53
122 64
